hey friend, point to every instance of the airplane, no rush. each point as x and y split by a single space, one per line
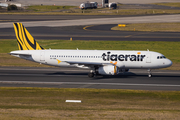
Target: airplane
100 62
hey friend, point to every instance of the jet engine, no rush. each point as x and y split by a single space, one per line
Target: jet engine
108 70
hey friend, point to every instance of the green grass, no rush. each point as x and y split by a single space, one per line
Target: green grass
49 103
144 11
169 4
169 49
37 8
155 27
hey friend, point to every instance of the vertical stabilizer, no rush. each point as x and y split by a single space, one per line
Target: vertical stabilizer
24 38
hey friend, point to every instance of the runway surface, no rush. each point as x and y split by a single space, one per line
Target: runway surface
95 32
98 21
77 78
85 27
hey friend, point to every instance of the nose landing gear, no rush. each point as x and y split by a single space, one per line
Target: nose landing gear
149 73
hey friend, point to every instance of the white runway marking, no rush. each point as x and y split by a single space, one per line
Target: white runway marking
41 75
86 83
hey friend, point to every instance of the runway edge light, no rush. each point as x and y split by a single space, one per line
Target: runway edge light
74 101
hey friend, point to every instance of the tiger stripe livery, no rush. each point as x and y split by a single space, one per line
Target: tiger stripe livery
24 38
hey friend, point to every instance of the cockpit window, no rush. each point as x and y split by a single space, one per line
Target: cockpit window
161 57
164 57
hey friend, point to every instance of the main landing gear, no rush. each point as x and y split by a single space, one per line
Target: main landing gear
91 74
149 73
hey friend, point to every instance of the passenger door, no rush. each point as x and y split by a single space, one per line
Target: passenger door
42 56
148 58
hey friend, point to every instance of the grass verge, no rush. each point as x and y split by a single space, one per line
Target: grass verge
49 103
169 49
155 27
45 8
169 4
99 11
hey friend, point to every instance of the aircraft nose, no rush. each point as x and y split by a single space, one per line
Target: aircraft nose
168 63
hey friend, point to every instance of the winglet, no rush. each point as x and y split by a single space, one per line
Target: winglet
24 38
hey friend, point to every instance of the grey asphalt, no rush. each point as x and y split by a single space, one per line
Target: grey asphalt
25 18
60 27
97 32
98 21
77 78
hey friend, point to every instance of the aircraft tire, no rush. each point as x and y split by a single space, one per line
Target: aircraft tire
149 75
91 75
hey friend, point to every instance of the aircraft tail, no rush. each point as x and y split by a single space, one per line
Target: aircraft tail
24 38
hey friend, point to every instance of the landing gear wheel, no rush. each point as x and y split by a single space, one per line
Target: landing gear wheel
149 75
90 75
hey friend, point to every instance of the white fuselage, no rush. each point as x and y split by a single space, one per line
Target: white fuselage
122 59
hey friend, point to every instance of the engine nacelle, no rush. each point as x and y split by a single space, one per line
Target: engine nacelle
108 70
120 65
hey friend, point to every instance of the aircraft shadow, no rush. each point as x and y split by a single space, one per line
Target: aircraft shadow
63 73
121 75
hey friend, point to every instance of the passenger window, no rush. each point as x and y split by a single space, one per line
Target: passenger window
158 57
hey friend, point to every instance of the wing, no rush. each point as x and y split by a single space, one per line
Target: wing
88 64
